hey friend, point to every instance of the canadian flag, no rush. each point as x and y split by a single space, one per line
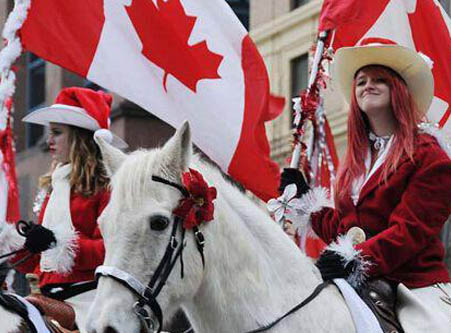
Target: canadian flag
421 25
180 60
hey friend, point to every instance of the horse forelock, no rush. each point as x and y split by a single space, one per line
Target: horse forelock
131 183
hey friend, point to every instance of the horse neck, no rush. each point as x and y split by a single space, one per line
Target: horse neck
252 269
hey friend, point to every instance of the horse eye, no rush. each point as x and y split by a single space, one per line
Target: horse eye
159 222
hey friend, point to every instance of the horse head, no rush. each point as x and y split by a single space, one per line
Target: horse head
138 227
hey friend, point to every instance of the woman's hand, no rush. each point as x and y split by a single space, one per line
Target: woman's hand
332 266
37 237
293 176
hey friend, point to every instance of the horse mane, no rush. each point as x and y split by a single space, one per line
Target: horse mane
134 179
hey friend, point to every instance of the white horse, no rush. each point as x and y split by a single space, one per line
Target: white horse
253 272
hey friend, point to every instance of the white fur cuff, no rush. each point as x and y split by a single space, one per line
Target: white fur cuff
61 258
344 247
311 202
10 240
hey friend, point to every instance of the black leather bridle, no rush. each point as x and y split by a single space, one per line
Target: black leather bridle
147 295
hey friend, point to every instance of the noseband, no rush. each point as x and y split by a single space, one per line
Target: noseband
147 295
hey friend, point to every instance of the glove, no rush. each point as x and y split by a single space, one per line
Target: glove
37 237
332 266
293 176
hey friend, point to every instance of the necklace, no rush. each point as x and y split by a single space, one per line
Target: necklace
379 142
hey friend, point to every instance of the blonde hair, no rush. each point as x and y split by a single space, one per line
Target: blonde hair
88 174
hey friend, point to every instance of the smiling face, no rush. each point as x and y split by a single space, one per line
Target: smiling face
59 142
372 93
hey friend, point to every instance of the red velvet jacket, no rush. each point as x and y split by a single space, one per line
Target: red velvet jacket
402 218
91 252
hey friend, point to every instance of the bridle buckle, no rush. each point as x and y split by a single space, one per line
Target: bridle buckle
200 239
145 318
174 243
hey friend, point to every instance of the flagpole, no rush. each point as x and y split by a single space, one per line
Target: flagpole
315 66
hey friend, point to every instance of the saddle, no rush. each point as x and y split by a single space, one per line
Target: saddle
60 315
380 296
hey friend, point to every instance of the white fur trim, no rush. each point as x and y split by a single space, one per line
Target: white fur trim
61 257
344 247
440 135
311 202
10 240
105 134
316 199
57 217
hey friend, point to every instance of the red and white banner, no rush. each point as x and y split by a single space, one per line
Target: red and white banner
422 25
180 60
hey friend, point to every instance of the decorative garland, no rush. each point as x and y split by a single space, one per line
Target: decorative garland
11 52
309 107
8 56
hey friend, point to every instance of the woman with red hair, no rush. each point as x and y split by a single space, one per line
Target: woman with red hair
393 189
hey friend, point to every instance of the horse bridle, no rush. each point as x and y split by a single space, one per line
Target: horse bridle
147 294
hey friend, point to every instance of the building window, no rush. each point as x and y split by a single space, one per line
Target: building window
35 95
299 74
298 3
241 9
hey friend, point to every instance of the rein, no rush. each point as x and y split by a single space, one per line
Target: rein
147 294
22 228
310 298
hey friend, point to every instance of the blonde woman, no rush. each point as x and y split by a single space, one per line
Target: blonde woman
66 240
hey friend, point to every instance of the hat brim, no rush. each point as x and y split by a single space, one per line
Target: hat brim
404 61
68 115
62 114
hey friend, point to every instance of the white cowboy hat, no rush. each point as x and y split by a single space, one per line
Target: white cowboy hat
80 107
410 65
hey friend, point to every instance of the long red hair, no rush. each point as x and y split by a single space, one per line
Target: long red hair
407 118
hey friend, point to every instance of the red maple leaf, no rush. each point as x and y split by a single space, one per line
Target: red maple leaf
164 30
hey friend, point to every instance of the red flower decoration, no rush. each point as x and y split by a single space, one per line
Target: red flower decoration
198 207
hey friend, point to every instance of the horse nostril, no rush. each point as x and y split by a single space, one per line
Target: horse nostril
110 329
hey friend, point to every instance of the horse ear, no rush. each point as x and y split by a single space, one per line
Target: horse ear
177 151
111 156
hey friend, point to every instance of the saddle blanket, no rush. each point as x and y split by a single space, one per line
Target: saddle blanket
364 319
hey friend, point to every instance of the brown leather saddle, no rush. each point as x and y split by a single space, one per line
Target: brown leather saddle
58 315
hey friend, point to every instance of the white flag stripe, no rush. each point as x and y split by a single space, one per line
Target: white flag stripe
119 66
394 24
